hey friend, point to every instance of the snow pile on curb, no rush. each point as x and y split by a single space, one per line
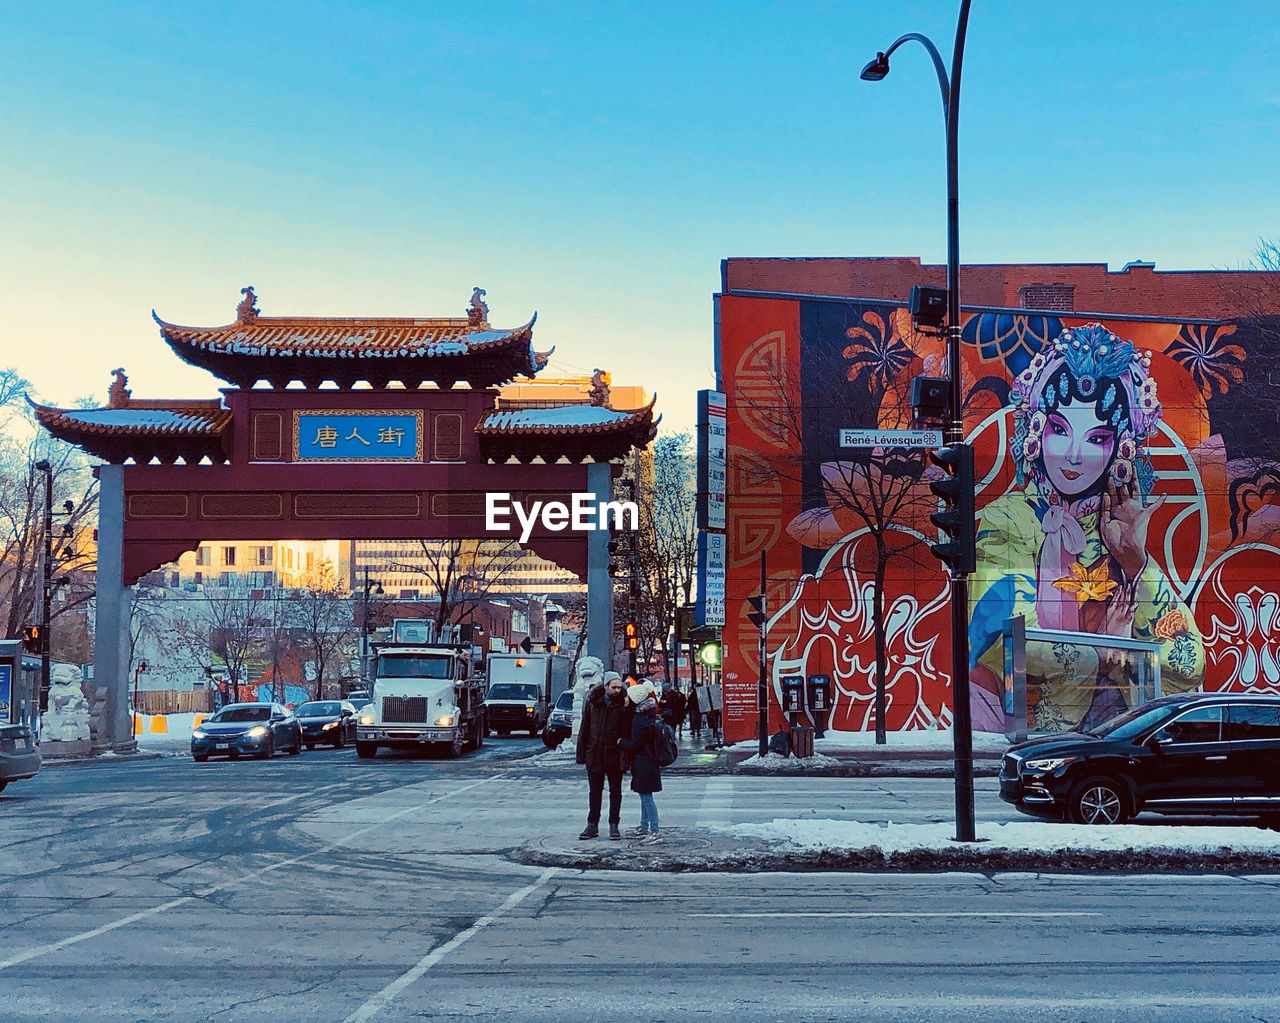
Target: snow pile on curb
774 764
563 755
1017 836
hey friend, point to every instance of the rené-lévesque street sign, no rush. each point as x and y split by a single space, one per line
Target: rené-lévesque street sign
891 438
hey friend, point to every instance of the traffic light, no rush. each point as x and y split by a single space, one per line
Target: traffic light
32 636
632 638
757 615
709 654
956 519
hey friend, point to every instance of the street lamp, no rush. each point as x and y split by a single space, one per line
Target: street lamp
954 434
364 623
46 574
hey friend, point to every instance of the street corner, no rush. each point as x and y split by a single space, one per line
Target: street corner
682 849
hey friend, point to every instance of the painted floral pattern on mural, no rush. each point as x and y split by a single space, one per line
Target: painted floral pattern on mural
876 355
1205 351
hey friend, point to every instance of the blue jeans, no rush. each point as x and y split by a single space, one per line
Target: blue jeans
648 812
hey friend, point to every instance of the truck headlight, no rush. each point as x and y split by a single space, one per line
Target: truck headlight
1046 764
366 719
444 721
528 710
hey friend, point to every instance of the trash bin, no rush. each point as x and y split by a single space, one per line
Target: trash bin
802 741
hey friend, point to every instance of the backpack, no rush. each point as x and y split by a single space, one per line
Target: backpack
665 749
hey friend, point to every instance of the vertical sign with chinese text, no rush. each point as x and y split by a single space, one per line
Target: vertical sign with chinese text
712 439
710 605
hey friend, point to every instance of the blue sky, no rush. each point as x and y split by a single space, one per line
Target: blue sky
593 162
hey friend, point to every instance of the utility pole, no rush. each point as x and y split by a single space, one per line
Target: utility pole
46 573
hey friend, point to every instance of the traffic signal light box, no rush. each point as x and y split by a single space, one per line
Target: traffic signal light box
956 518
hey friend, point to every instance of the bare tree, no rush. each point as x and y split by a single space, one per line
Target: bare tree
22 514
461 573
228 622
321 615
881 490
667 542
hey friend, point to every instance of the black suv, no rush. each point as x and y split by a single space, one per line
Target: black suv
1194 753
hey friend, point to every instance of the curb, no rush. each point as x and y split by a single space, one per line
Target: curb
122 758
875 860
871 768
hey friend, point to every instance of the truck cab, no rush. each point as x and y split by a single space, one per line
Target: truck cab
423 696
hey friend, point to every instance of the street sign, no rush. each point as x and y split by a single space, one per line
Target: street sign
891 438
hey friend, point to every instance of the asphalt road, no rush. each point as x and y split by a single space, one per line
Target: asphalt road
324 887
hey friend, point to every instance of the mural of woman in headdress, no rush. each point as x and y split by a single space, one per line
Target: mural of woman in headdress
1068 549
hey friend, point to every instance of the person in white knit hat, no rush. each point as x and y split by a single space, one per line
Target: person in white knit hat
646 775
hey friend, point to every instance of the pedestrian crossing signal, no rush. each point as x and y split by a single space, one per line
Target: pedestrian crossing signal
32 637
709 654
633 640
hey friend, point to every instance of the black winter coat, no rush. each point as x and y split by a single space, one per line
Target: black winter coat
604 722
646 775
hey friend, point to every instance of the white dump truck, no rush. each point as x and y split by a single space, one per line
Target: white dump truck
522 690
424 694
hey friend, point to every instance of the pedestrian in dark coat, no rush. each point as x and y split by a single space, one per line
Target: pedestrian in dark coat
606 718
672 707
646 775
695 713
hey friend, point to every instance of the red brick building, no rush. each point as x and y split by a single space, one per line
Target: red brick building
1139 289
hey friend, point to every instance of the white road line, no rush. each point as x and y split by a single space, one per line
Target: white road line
717 801
379 1002
75 939
871 915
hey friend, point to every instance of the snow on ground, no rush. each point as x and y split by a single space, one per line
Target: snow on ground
1017 836
178 726
775 764
933 740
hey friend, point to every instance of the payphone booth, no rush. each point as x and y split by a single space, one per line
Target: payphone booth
17 692
819 702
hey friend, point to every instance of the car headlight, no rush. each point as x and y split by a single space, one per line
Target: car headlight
258 732
366 719
197 734
528 710
331 724
1047 764
445 720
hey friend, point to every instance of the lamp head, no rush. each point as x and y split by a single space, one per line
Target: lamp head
877 69
43 465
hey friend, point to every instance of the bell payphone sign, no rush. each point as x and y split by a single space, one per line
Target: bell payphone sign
6 692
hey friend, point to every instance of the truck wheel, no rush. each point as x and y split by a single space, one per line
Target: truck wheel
504 732
366 750
454 749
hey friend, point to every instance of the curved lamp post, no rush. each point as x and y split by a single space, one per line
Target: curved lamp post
962 726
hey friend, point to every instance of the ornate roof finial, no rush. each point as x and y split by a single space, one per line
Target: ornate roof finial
247 310
600 388
478 312
118 394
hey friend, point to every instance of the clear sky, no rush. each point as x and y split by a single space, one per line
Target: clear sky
591 161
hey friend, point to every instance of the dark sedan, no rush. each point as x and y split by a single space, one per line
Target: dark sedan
1193 753
252 729
332 722
19 756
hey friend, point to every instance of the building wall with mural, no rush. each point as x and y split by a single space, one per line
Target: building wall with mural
1128 485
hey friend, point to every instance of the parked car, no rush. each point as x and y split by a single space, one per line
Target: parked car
254 729
332 722
1193 753
560 723
19 756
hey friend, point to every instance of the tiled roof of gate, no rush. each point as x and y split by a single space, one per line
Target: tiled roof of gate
565 420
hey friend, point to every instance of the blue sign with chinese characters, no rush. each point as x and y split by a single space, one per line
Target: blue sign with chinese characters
341 436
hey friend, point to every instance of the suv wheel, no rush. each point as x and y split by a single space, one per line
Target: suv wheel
1098 801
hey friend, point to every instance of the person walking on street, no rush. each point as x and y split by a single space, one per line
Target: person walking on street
606 719
646 775
695 713
672 708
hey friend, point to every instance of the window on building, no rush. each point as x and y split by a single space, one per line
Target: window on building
204 556
310 561
225 579
262 555
198 578
228 555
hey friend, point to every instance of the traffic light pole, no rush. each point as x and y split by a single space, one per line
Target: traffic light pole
762 691
962 724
